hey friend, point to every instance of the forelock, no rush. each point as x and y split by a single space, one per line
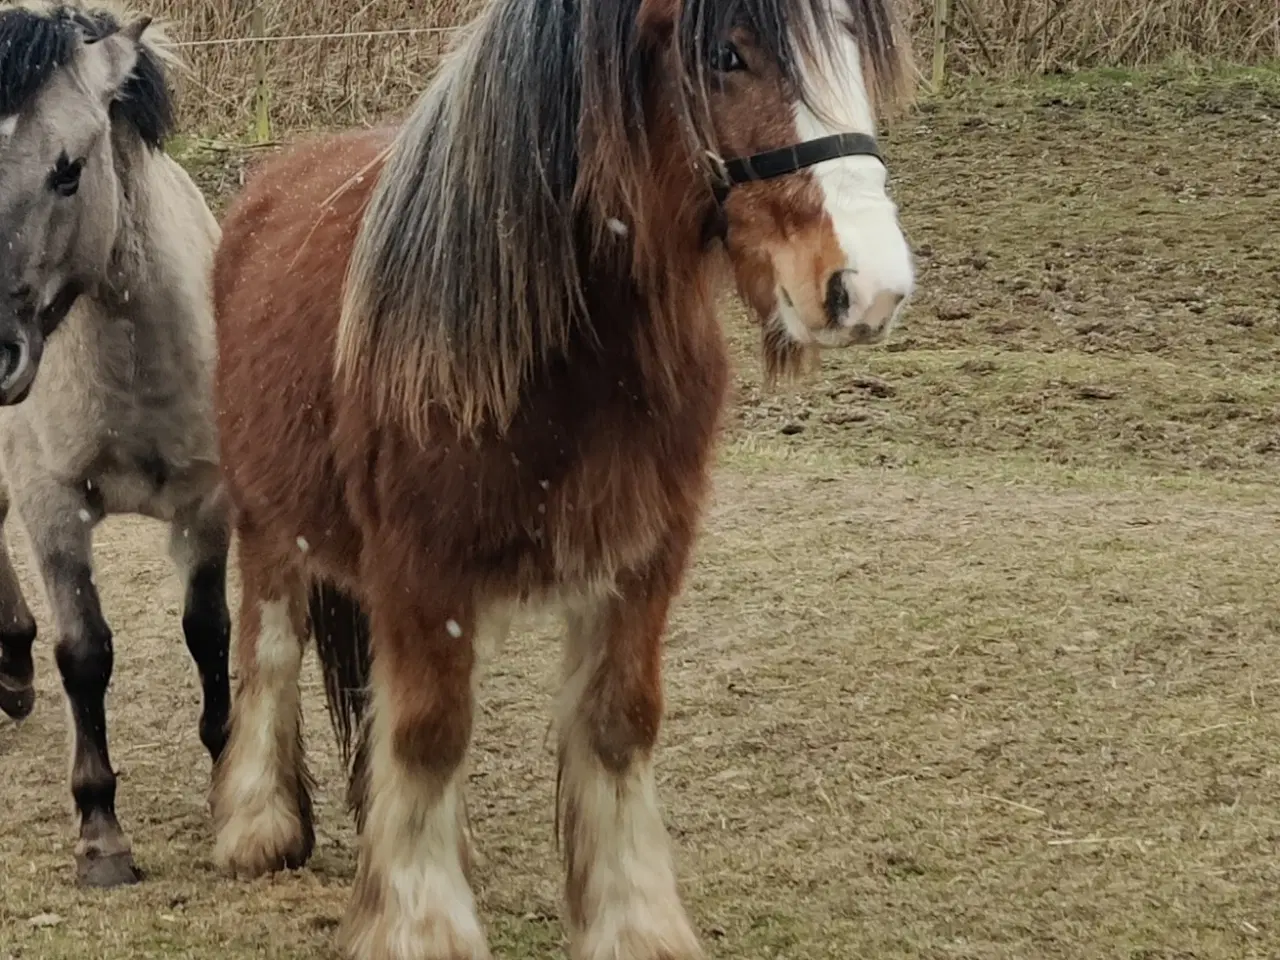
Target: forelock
37 39
33 46
789 31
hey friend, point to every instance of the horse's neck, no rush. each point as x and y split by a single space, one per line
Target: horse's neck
127 272
146 327
162 225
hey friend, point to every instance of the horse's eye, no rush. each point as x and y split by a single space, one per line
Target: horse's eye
726 58
64 180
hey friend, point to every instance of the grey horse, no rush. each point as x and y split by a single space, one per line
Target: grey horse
106 362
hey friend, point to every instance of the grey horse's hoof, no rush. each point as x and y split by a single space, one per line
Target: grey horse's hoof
17 700
111 870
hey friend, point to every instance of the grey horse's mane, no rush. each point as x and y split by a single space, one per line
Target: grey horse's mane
39 38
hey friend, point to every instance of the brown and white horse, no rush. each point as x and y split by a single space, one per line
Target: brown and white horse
474 362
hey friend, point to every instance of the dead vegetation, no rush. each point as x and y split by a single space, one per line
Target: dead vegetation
1020 36
310 82
361 79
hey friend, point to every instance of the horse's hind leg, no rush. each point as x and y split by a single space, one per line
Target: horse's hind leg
261 797
60 523
17 633
198 542
620 884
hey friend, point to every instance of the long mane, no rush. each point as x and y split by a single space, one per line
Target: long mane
523 171
39 38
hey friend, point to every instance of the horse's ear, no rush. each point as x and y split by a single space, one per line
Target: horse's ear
112 57
132 31
657 18
136 28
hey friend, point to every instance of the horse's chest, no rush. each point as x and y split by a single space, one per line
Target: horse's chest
624 500
597 477
107 413
636 468
137 392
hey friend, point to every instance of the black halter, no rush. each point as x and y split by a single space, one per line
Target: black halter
783 161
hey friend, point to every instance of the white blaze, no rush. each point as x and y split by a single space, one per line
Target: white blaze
854 188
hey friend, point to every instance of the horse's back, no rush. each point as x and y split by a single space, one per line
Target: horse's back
295 219
277 290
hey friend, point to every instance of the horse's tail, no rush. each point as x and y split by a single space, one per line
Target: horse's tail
341 629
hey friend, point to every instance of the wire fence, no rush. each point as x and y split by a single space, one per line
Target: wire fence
268 68
356 35
282 63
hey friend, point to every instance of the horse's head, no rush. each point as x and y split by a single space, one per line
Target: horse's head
784 105
63 79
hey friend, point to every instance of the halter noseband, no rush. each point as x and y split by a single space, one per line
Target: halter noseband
783 161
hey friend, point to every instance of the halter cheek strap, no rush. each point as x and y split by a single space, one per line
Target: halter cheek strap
781 162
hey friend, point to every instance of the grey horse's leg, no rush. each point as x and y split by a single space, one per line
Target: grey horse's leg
17 633
60 521
198 543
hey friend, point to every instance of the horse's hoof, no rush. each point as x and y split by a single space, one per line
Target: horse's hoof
16 700
111 870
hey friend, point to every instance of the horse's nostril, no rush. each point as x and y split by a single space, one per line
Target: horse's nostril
838 301
11 361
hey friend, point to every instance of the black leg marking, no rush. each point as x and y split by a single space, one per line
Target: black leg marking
17 634
17 671
206 624
85 659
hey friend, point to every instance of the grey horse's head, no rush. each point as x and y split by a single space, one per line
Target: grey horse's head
77 87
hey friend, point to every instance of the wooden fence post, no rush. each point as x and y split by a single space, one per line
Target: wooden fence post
261 93
941 13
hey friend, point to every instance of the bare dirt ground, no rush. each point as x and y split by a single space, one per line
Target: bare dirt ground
979 657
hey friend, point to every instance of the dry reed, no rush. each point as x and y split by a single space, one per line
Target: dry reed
1038 36
329 82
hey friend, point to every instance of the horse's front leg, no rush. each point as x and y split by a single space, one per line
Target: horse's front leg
620 882
412 898
261 791
198 544
60 522
17 634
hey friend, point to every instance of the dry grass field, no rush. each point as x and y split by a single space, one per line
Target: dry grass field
351 78
980 659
